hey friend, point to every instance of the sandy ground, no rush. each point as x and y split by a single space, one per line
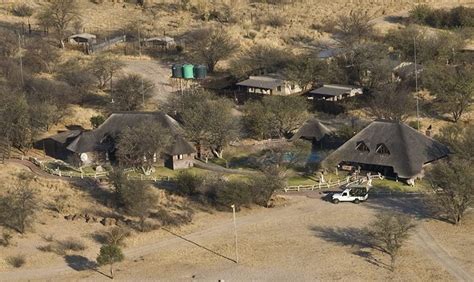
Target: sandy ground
304 239
156 72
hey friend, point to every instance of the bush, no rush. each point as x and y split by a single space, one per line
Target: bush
96 121
22 10
116 236
188 183
6 239
71 244
16 261
440 18
234 193
275 20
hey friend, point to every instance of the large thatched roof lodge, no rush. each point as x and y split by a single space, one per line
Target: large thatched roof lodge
393 149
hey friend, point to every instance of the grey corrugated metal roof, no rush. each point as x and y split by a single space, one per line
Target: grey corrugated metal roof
409 149
330 91
264 82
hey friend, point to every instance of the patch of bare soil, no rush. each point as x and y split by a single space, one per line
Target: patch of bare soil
307 239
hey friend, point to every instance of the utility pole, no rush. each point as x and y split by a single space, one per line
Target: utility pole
21 60
143 95
235 235
416 87
139 41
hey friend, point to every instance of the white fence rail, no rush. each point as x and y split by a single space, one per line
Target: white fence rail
329 185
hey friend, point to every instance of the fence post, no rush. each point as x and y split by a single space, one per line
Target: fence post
59 173
82 175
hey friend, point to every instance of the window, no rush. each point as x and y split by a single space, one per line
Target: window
292 87
362 147
180 157
382 149
278 88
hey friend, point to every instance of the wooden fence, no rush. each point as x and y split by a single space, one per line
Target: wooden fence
93 48
329 185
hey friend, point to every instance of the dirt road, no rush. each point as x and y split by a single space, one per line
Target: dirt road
275 244
154 71
438 254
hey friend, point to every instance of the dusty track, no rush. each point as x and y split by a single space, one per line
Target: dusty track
306 212
438 254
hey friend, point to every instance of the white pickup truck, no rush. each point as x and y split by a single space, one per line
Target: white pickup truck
354 194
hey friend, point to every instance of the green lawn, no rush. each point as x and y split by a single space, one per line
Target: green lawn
400 186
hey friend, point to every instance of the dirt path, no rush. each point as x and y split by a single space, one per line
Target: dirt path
154 71
34 169
438 254
297 217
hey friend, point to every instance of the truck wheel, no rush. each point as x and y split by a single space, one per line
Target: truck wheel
356 201
336 201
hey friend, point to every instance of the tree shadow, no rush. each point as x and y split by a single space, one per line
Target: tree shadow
81 263
417 206
200 246
357 238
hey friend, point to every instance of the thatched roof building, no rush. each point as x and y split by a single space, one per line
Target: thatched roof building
313 129
87 145
392 148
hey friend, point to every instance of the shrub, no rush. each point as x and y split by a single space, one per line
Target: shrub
116 236
16 261
96 121
233 193
275 20
22 10
71 244
6 239
188 183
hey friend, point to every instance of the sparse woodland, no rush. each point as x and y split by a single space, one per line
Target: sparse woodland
49 84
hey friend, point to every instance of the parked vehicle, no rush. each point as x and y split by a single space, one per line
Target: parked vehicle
355 194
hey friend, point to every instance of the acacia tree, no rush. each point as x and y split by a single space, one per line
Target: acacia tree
452 181
353 28
141 145
207 119
19 206
392 102
459 138
137 198
453 87
260 57
131 92
389 231
365 64
15 122
275 116
109 255
104 68
59 15
306 71
211 46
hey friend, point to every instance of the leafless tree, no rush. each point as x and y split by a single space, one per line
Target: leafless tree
392 102
59 15
19 206
210 46
141 145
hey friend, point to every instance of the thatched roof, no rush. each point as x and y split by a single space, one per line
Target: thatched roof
90 141
408 149
312 129
62 137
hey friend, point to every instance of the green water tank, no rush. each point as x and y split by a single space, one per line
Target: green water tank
177 71
188 71
200 71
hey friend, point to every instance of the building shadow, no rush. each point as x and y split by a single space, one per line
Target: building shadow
199 245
